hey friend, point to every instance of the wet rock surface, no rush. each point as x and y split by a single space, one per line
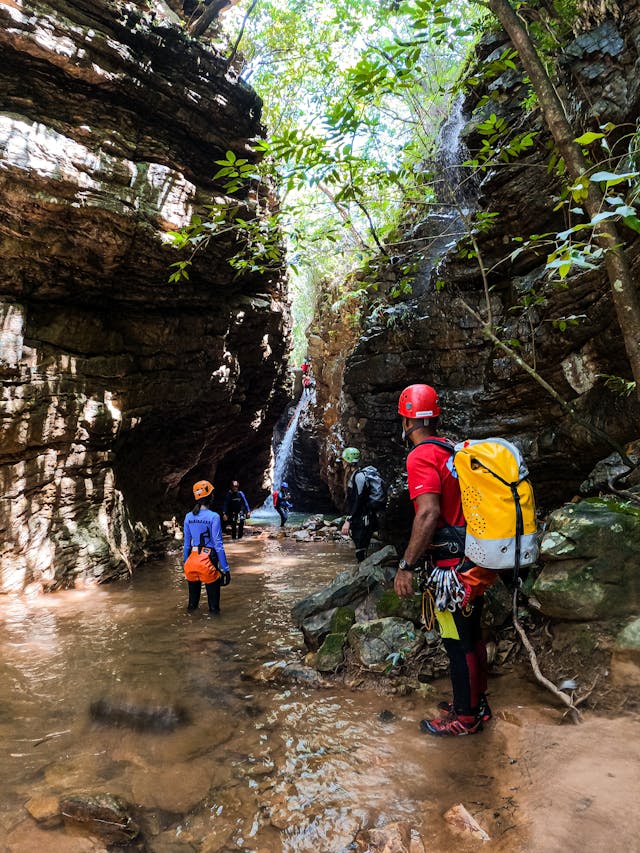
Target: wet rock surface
118 388
104 815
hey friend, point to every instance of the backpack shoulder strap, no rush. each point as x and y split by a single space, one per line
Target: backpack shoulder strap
445 445
365 484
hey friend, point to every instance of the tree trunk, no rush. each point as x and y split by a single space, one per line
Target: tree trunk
210 13
626 297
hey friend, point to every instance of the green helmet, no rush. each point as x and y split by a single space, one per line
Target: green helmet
351 455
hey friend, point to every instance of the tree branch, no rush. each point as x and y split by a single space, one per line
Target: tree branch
573 711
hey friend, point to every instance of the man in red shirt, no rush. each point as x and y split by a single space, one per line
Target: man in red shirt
458 585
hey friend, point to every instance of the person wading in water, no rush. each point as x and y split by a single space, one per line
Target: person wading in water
205 561
435 492
282 503
235 509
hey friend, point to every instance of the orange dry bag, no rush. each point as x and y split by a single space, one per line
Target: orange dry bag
201 565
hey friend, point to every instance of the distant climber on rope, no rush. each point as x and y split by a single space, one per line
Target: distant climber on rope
235 509
282 502
307 384
205 561
365 495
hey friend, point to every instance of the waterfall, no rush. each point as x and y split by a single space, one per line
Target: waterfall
283 452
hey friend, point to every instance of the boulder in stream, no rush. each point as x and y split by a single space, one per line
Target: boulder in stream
348 587
331 653
104 815
383 642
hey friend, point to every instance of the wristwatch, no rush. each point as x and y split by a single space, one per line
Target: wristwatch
403 566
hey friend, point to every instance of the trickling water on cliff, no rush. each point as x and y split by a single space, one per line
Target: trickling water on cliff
445 225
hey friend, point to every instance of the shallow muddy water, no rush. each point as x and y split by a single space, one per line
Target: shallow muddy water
257 767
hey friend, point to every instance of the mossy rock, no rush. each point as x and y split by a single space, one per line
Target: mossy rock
330 655
390 604
376 643
342 620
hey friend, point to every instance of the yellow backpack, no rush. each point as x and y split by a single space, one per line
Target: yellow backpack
497 502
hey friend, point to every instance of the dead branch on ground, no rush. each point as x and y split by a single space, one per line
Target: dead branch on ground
572 710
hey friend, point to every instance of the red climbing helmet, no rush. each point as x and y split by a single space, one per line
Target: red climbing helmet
419 401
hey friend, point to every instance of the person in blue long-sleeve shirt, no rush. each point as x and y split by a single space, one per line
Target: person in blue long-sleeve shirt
282 503
235 509
204 557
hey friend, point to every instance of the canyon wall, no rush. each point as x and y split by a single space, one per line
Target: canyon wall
119 390
364 355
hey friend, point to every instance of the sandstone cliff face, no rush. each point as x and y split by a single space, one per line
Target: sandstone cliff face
118 389
432 338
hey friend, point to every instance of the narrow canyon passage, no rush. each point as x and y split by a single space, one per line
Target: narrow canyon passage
261 766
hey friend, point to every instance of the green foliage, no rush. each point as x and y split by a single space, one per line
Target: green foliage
348 138
254 230
619 186
499 143
237 171
620 386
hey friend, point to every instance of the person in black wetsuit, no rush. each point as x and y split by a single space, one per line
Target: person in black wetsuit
235 509
362 521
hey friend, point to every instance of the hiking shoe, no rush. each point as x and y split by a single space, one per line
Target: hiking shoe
453 725
484 711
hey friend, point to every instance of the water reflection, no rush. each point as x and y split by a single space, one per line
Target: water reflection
257 767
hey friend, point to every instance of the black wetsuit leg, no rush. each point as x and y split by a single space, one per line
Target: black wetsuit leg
467 658
362 528
194 594
213 596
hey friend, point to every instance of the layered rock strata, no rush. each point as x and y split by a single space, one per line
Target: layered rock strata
119 389
569 333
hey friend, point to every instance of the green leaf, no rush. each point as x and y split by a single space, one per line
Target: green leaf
600 217
588 138
625 210
612 178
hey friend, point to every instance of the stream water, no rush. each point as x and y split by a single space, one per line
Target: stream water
258 767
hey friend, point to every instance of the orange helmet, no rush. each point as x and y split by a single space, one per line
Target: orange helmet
202 489
419 401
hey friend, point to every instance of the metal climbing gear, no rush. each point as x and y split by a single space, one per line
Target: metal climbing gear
447 590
